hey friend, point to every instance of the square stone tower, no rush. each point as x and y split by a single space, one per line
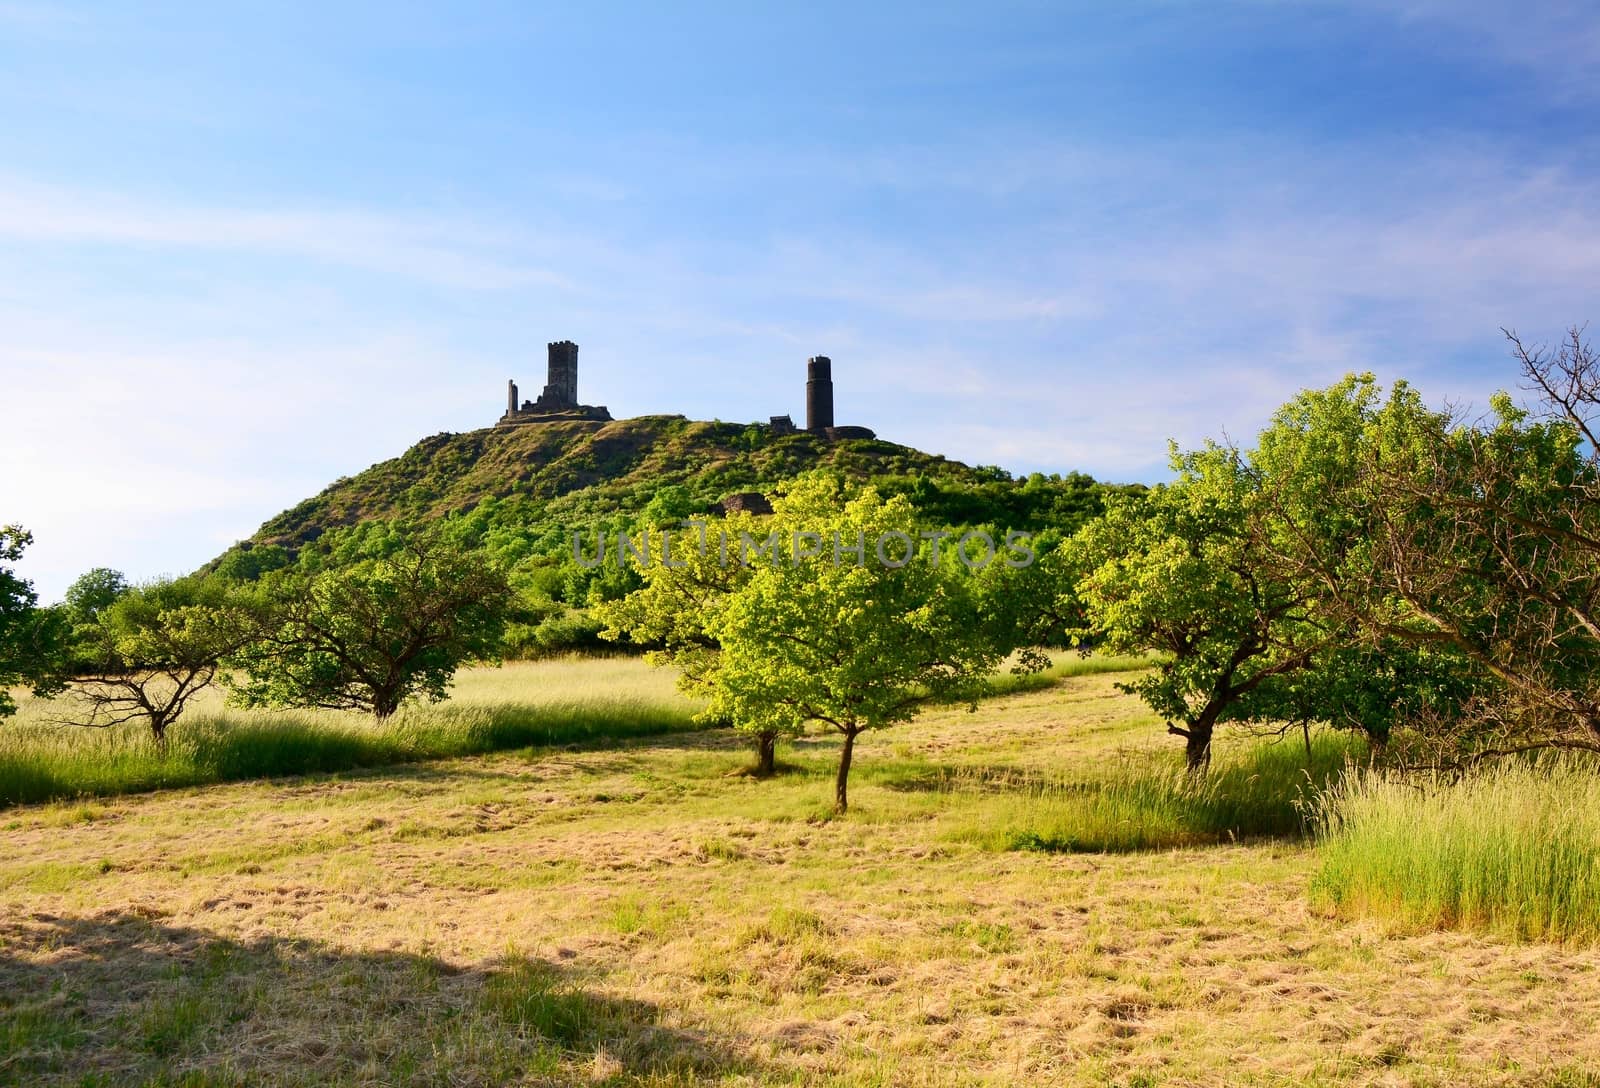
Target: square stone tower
561 386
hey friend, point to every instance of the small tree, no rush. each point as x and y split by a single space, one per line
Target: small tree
857 640
142 654
1184 571
371 635
687 584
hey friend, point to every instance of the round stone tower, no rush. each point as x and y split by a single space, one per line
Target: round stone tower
819 394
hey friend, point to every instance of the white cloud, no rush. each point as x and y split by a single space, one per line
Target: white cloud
434 250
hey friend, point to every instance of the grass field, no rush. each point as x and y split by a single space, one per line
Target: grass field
633 912
491 710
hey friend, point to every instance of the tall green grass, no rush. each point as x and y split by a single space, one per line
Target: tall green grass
527 705
1146 801
1513 849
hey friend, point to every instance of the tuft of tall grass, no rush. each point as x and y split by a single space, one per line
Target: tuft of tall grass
1146 801
1512 848
532 705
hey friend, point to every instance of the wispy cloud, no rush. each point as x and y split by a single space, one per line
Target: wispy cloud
1556 42
449 253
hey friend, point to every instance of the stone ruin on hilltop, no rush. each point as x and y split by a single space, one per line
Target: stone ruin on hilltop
559 401
560 397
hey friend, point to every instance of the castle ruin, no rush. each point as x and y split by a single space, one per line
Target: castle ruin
559 401
560 397
819 403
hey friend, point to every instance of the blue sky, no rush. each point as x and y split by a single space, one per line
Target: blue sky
246 249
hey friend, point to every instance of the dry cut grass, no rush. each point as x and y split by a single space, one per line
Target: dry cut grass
638 915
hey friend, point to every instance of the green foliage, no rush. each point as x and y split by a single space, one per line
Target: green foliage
29 638
519 494
248 562
1182 571
93 592
140 654
855 645
1243 572
674 612
557 631
371 634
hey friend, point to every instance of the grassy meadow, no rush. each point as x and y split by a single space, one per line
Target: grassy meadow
518 706
1031 894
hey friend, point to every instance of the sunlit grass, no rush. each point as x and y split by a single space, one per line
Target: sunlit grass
1144 800
1513 848
557 702
640 914
1063 666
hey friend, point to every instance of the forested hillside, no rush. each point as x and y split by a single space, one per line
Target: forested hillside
521 492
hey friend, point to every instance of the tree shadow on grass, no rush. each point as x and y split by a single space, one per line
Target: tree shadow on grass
921 777
120 999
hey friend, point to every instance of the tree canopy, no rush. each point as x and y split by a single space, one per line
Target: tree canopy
853 625
370 635
30 638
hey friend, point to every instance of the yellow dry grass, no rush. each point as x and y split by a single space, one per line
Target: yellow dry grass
639 915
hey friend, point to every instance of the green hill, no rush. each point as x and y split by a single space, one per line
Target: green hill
520 492
581 470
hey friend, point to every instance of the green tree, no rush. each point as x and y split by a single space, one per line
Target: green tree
1255 574
687 584
94 591
826 635
1483 544
145 652
247 562
1184 571
370 635
30 637
1316 465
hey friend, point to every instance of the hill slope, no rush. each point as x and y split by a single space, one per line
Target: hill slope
520 493
578 470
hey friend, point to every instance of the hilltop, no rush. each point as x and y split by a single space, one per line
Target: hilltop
577 470
520 492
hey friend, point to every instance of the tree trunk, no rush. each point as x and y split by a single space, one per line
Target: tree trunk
1376 747
766 755
384 704
841 785
1197 747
